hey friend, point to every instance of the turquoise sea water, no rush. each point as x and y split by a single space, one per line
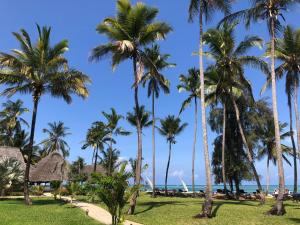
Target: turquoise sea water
246 188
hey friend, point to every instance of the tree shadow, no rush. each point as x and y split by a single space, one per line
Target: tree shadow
295 220
218 204
41 202
153 204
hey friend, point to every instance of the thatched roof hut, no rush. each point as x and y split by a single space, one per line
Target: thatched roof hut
88 169
51 168
14 153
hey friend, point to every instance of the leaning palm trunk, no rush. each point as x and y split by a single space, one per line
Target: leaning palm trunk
278 208
139 134
293 144
194 145
207 205
30 148
167 170
153 144
249 152
223 148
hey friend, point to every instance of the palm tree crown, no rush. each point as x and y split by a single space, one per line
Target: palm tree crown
171 127
155 63
143 116
191 84
132 28
57 132
40 68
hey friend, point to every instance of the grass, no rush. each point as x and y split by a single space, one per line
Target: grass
180 211
44 211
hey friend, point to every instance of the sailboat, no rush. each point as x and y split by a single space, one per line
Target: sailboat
185 188
149 183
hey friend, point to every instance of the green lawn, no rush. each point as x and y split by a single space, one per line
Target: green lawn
180 211
42 212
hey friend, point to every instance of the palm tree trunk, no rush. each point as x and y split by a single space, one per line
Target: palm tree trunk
95 162
110 170
30 149
294 145
278 208
295 100
207 205
249 152
194 145
139 134
153 144
167 170
223 148
268 177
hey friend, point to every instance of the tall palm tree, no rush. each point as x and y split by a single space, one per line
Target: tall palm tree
230 59
156 81
217 92
36 69
57 132
170 127
97 137
205 8
287 50
133 27
268 144
270 11
191 84
113 126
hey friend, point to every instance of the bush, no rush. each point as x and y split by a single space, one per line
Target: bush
37 190
114 191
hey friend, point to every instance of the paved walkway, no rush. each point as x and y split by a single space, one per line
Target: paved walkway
96 212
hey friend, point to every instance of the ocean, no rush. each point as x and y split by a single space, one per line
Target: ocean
246 188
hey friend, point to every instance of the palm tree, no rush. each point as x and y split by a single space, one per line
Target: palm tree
217 92
11 120
205 8
143 117
170 127
191 84
57 132
133 27
156 81
97 137
38 69
287 50
270 11
268 144
230 61
112 124
110 160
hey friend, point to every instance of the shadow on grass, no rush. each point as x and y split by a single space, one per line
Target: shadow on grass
42 202
295 220
156 204
218 204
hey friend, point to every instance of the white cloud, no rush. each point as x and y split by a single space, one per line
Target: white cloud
177 173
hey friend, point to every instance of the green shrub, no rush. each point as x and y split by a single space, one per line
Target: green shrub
37 190
114 191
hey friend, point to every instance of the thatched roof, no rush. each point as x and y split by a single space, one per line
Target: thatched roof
51 168
12 152
88 169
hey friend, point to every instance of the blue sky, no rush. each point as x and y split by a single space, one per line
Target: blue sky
76 21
